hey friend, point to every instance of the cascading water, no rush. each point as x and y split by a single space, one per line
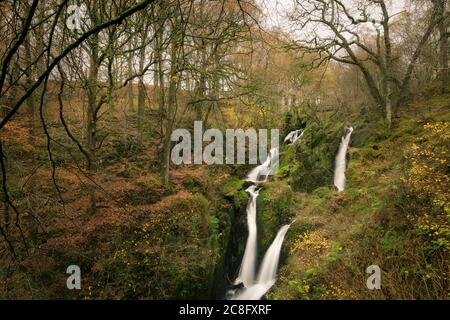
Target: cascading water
341 161
247 271
254 289
261 173
268 272
294 136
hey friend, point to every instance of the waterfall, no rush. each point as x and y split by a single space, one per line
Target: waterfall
247 271
268 271
341 161
292 137
254 289
262 172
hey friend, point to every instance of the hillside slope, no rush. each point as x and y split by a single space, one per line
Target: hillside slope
394 213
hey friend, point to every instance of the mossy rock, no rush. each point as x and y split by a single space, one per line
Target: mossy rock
285 167
311 160
274 208
233 190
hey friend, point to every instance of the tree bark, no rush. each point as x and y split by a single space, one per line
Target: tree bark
171 101
130 74
443 46
141 93
388 63
91 124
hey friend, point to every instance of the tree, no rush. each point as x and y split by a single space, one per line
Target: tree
338 30
442 11
22 20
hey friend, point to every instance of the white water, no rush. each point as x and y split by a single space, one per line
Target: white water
341 161
268 271
254 289
262 172
247 271
292 137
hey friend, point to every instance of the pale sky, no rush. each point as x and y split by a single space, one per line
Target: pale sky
276 11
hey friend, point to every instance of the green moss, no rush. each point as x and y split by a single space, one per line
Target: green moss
352 193
232 186
323 192
233 190
286 164
275 208
311 160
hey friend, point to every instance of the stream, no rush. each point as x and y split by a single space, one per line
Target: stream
253 285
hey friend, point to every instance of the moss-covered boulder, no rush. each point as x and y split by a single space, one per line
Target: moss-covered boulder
275 207
309 163
234 190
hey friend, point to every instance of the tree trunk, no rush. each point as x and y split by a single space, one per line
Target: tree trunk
389 105
388 63
91 124
33 124
155 102
171 106
141 94
130 84
404 87
159 81
443 46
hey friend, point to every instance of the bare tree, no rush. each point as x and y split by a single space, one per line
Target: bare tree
343 31
26 68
